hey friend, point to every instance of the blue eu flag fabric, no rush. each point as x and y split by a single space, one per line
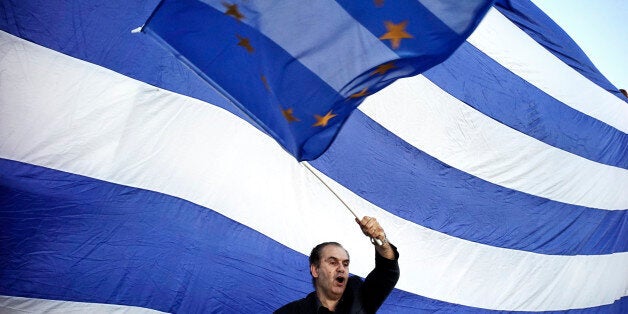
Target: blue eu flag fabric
299 69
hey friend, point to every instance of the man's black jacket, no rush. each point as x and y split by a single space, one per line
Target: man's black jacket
359 296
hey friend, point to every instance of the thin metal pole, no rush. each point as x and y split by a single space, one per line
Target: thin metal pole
308 167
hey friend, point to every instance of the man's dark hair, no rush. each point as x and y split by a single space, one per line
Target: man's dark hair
315 256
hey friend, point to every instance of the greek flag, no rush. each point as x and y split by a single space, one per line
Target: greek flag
128 183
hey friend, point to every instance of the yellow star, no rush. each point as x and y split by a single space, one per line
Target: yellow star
232 10
382 69
244 42
288 114
322 121
396 32
361 93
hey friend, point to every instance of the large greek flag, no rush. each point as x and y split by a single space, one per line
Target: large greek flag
128 185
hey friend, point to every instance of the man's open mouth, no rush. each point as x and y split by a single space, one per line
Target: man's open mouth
340 279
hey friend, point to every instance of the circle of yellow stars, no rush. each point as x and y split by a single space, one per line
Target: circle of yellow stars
395 33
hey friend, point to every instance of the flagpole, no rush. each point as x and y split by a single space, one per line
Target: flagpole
308 167
216 87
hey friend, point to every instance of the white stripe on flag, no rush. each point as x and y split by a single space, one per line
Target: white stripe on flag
10 304
446 268
441 125
505 43
73 116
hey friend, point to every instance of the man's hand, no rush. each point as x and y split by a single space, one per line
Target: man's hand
371 228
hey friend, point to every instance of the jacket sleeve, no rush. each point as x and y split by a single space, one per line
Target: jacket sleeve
380 282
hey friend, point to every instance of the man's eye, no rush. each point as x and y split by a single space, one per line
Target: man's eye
333 262
346 264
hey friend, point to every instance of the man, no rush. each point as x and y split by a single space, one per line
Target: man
335 291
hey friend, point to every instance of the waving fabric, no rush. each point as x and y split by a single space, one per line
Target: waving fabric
300 70
128 185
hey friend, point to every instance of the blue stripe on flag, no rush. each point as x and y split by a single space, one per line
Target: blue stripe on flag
75 238
479 81
529 18
442 198
69 237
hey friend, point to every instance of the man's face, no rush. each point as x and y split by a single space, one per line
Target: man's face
332 273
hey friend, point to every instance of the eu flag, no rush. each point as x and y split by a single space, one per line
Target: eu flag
299 69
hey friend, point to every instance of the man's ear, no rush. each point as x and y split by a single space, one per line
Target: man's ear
314 271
